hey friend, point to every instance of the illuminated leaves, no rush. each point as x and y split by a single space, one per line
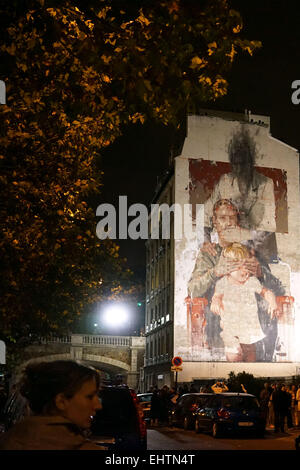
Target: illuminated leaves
77 74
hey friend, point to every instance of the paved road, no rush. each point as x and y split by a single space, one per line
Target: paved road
172 438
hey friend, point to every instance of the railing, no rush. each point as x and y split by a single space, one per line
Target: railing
90 340
107 340
56 339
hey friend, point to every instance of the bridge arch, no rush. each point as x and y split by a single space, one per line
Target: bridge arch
112 355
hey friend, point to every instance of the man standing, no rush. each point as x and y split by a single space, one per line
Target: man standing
264 399
219 387
281 402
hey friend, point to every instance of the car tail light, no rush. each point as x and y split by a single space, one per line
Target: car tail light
223 413
140 414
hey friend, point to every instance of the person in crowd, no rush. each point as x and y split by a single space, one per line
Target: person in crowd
271 415
173 397
264 399
155 407
289 416
205 389
219 387
297 406
193 389
293 391
164 405
63 398
281 403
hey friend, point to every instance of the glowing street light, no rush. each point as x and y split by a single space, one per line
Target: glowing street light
116 315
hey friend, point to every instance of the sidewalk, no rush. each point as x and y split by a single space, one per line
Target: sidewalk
290 434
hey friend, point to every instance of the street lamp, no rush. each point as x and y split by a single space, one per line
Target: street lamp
116 316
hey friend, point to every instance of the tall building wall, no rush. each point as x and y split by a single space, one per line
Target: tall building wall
249 332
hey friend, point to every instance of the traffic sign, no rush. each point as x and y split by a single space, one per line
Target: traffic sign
176 368
177 361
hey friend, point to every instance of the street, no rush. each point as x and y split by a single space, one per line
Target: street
172 438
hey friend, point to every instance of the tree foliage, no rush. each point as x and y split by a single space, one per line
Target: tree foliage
76 73
252 384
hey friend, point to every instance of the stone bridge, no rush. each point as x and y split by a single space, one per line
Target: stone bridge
113 355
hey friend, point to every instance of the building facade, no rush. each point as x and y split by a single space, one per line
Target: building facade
159 328
217 320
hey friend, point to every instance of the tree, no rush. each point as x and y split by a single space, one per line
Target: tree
252 384
76 74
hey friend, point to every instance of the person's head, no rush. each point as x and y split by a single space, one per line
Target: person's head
225 215
64 388
242 153
238 252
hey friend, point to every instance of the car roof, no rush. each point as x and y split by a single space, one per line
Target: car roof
198 394
234 394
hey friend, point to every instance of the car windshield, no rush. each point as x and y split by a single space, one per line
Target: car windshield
240 403
144 397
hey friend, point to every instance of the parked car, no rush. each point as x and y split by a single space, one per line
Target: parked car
120 424
145 403
183 413
15 409
225 413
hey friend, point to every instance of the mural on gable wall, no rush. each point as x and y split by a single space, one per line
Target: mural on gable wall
238 310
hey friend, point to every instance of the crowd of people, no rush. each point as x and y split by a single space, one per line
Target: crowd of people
63 396
280 403
281 406
164 400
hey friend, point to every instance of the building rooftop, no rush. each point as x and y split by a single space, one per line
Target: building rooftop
247 116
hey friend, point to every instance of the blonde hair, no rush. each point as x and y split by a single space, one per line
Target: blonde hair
236 251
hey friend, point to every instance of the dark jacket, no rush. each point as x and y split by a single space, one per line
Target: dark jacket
281 401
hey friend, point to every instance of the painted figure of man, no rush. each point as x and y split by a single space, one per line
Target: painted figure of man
251 192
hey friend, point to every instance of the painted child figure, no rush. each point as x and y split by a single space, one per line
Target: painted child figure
235 301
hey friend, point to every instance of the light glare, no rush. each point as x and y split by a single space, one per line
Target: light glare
115 316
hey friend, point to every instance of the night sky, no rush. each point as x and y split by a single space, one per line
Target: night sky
261 83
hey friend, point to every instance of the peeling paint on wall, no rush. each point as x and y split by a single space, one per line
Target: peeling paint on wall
262 309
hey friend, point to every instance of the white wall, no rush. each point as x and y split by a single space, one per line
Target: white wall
208 138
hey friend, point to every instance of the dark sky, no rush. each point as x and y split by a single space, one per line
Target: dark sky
261 83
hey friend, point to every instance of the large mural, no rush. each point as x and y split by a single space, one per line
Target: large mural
238 305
